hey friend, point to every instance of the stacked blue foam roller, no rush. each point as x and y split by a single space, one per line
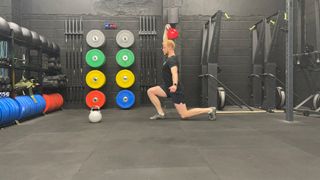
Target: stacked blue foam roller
20 108
9 110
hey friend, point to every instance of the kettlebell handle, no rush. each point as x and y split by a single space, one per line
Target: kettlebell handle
95 107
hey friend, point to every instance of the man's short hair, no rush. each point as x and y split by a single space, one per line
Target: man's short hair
170 43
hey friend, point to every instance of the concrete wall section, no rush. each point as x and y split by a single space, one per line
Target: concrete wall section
93 7
6 9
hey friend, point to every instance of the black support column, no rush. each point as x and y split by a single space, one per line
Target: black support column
289 63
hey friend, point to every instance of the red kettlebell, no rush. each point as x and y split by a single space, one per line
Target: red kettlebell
172 33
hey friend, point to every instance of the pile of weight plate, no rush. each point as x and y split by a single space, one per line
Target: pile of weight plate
20 108
53 102
26 107
95 59
125 78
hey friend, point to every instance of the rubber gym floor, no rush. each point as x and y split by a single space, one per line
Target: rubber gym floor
127 145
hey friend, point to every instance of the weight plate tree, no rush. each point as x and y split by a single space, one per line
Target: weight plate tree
125 39
125 99
95 58
95 79
95 99
95 38
125 79
125 58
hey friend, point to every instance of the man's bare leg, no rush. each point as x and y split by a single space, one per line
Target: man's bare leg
153 94
185 113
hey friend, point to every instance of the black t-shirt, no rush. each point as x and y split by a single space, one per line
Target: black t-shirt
168 63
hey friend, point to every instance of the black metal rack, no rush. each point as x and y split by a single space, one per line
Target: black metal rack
308 61
27 65
148 55
268 62
75 91
214 92
16 67
210 59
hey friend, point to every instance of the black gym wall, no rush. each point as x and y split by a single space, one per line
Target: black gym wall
47 18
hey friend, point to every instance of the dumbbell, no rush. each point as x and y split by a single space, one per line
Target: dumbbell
51 65
3 87
4 80
5 61
7 80
51 60
8 87
61 83
59 65
55 83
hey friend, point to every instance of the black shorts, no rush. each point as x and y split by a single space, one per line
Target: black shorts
177 97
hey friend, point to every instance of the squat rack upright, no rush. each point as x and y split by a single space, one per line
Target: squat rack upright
268 61
214 92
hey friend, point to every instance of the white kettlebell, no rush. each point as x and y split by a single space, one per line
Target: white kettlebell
95 115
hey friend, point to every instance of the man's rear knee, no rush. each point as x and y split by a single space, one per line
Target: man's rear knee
183 116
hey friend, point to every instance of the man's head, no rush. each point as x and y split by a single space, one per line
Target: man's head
168 47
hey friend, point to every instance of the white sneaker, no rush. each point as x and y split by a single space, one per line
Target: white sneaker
212 114
157 116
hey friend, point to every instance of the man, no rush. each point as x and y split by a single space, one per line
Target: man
172 87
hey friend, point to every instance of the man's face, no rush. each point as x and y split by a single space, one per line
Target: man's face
164 48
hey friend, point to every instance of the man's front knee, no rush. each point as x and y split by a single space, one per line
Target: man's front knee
150 91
